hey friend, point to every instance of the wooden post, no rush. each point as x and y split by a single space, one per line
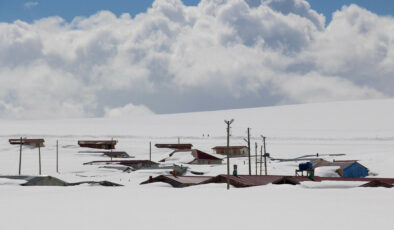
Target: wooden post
150 150
57 156
250 164
20 157
265 157
256 156
39 158
227 151
179 140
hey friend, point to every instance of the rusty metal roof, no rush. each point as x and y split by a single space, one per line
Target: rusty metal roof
205 156
377 183
97 142
256 180
366 179
230 147
122 162
25 141
179 181
174 146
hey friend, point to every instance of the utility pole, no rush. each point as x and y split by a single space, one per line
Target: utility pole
227 151
150 150
248 141
256 155
20 157
261 160
57 156
39 158
265 156
250 165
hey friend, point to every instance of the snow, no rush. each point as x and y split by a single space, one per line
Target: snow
363 130
327 171
180 157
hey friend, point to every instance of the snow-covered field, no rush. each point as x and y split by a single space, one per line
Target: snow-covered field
363 130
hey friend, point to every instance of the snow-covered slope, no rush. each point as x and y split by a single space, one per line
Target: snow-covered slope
363 130
373 118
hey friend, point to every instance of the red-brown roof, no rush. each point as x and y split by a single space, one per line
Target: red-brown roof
25 141
97 142
377 183
179 181
204 156
122 162
174 146
230 147
256 180
366 179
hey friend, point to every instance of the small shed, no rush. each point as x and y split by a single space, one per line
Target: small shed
347 169
27 141
233 150
174 146
98 144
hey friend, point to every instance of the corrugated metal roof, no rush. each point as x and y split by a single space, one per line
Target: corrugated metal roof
179 181
254 180
123 162
230 147
174 146
25 141
377 183
205 156
97 142
187 156
366 179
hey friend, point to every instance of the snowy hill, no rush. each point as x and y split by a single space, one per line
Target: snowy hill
373 118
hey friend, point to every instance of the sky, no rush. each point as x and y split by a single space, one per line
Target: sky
73 59
11 10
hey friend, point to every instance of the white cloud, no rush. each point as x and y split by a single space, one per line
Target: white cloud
30 4
173 58
128 110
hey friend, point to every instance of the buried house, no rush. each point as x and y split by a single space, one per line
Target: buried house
28 141
347 169
233 151
98 144
174 146
240 181
192 156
